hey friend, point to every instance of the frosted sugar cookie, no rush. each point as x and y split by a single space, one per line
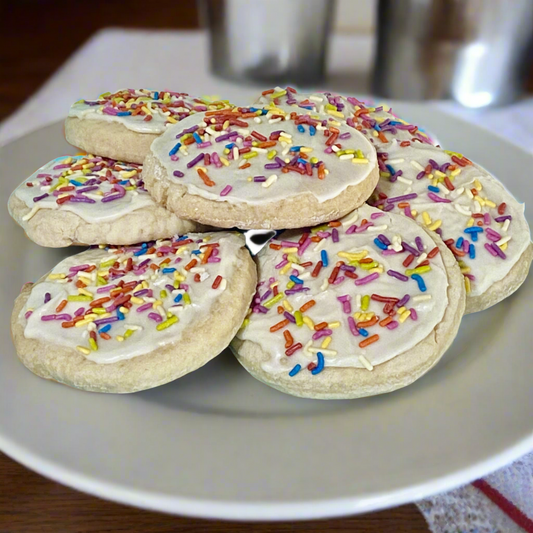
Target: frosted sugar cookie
480 221
122 125
260 169
377 123
91 200
338 314
128 319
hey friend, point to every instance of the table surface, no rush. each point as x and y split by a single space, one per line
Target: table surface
31 49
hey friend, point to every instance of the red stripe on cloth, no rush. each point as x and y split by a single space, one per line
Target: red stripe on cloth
513 512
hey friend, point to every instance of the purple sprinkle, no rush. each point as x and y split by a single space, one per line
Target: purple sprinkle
303 247
142 292
492 235
334 235
297 288
367 279
260 309
105 320
259 179
351 229
410 249
350 268
397 275
419 176
112 198
384 239
196 160
503 218
47 318
403 301
353 327
346 135
271 166
144 307
339 280
82 199
388 207
107 288
322 333
280 161
436 198
178 174
413 315
155 316
205 144
373 216
28 314
392 325
498 251
266 295
47 297
77 268
39 198
79 311
87 189
419 244
289 317
388 252
221 138
466 245
402 198
490 249
434 164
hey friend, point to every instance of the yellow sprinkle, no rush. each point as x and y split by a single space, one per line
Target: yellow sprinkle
293 259
99 310
83 350
456 172
85 291
465 270
186 298
272 154
79 298
306 149
84 322
439 174
290 250
368 266
479 200
172 120
162 294
309 323
334 325
278 94
435 225
353 256
401 310
287 306
298 317
124 310
273 301
404 316
57 276
129 333
470 223
359 160
93 344
490 203
224 161
478 185
136 300
290 284
285 269
378 269
365 302
167 323
334 113
418 270
119 338
426 218
245 323
314 160
107 263
249 155
326 342
503 246
128 175
467 285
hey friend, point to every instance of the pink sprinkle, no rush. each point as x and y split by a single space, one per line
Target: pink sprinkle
174 157
413 314
392 325
28 314
214 260
373 216
407 212
486 219
328 150
304 246
353 327
144 307
363 227
226 190
493 235
338 280
347 307
466 246
322 333
281 264
289 244
351 229
389 251
367 279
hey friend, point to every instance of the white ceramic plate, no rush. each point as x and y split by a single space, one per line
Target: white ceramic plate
218 443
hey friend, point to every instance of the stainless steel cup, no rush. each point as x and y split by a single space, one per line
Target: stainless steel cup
475 51
268 41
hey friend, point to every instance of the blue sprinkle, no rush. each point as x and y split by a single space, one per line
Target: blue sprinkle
120 314
229 146
105 329
197 138
76 183
264 111
295 148
295 370
182 238
156 95
296 280
394 123
324 257
390 169
124 182
178 298
420 281
363 332
144 245
473 229
320 364
379 244
123 113
175 149
306 106
433 189
168 270
459 242
377 128
472 251
140 252
253 109
196 252
312 130
301 129
302 161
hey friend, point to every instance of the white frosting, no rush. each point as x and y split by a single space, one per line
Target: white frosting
164 108
486 268
429 305
135 196
145 337
370 122
340 172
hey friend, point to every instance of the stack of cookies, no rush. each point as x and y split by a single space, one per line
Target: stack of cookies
382 241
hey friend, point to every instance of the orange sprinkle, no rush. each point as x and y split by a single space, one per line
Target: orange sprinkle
385 321
449 184
80 284
188 141
164 262
501 208
334 224
61 306
382 137
207 253
368 341
401 205
246 165
100 301
105 336
275 246
368 323
289 341
267 144
408 260
205 178
366 260
191 264
268 91
473 191
405 143
321 171
433 252
320 326
307 306
67 324
280 310
90 269
217 282
279 325
197 278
